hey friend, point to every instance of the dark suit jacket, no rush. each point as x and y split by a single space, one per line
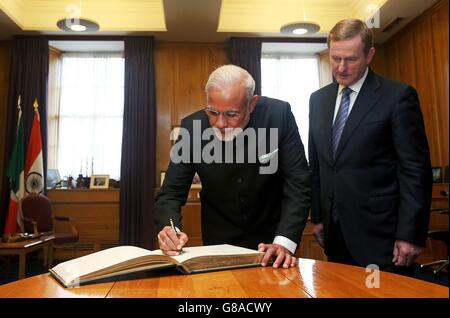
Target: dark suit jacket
240 206
380 181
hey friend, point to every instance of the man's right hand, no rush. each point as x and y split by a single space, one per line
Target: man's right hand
318 233
170 243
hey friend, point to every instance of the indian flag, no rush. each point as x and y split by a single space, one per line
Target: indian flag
34 168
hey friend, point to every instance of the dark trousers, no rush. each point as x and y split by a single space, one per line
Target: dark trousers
337 252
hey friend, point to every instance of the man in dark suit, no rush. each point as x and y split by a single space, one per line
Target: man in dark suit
252 166
369 158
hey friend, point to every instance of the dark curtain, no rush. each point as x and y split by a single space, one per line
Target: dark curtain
28 78
137 176
246 53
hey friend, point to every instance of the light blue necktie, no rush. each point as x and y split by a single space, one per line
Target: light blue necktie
338 127
341 118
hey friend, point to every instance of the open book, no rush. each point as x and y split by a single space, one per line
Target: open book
127 259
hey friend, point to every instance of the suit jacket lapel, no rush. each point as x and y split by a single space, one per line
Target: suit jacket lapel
367 98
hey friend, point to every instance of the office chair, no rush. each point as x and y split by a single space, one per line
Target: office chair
37 218
440 235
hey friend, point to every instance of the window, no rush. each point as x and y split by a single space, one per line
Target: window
88 137
292 78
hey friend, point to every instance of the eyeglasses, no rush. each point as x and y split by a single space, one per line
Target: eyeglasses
228 114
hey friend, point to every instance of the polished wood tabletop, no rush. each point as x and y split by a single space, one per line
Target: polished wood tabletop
310 279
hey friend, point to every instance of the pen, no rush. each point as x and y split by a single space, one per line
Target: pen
176 231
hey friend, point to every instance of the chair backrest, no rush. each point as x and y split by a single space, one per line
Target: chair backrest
37 207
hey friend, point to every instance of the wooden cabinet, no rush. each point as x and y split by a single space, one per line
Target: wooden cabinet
309 247
436 250
191 218
96 214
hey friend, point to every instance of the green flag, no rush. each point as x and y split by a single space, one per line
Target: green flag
16 179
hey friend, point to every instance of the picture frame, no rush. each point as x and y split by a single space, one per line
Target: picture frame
437 174
53 178
196 182
99 181
161 178
174 133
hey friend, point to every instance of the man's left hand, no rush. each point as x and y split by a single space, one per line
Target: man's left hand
405 253
283 256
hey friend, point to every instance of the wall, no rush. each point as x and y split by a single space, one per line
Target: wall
5 57
418 55
181 72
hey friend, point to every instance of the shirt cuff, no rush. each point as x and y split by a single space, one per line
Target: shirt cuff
285 242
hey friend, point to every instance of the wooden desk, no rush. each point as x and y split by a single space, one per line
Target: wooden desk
96 215
22 248
311 279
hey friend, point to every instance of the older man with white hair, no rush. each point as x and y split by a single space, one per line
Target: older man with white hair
249 156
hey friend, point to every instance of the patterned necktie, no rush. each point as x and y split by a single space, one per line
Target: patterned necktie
341 118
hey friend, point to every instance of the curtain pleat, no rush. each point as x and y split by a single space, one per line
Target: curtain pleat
28 78
138 145
246 53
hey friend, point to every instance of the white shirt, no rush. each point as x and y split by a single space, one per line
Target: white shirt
285 242
355 90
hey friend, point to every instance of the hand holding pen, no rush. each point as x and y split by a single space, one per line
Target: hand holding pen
177 231
171 240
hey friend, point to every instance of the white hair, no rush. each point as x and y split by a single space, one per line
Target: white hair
229 75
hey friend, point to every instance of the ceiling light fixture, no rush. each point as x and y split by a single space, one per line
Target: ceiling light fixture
77 25
302 27
74 22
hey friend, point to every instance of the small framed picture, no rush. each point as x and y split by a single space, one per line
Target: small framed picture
174 133
53 178
99 181
162 176
196 182
437 174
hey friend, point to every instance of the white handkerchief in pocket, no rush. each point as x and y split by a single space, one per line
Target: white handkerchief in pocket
266 158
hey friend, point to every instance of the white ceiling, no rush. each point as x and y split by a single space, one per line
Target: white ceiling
199 20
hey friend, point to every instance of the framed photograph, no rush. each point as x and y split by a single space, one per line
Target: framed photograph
161 178
196 182
174 133
99 181
53 178
437 174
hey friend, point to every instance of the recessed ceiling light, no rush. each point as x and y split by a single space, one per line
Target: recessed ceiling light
77 25
300 31
78 28
300 28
